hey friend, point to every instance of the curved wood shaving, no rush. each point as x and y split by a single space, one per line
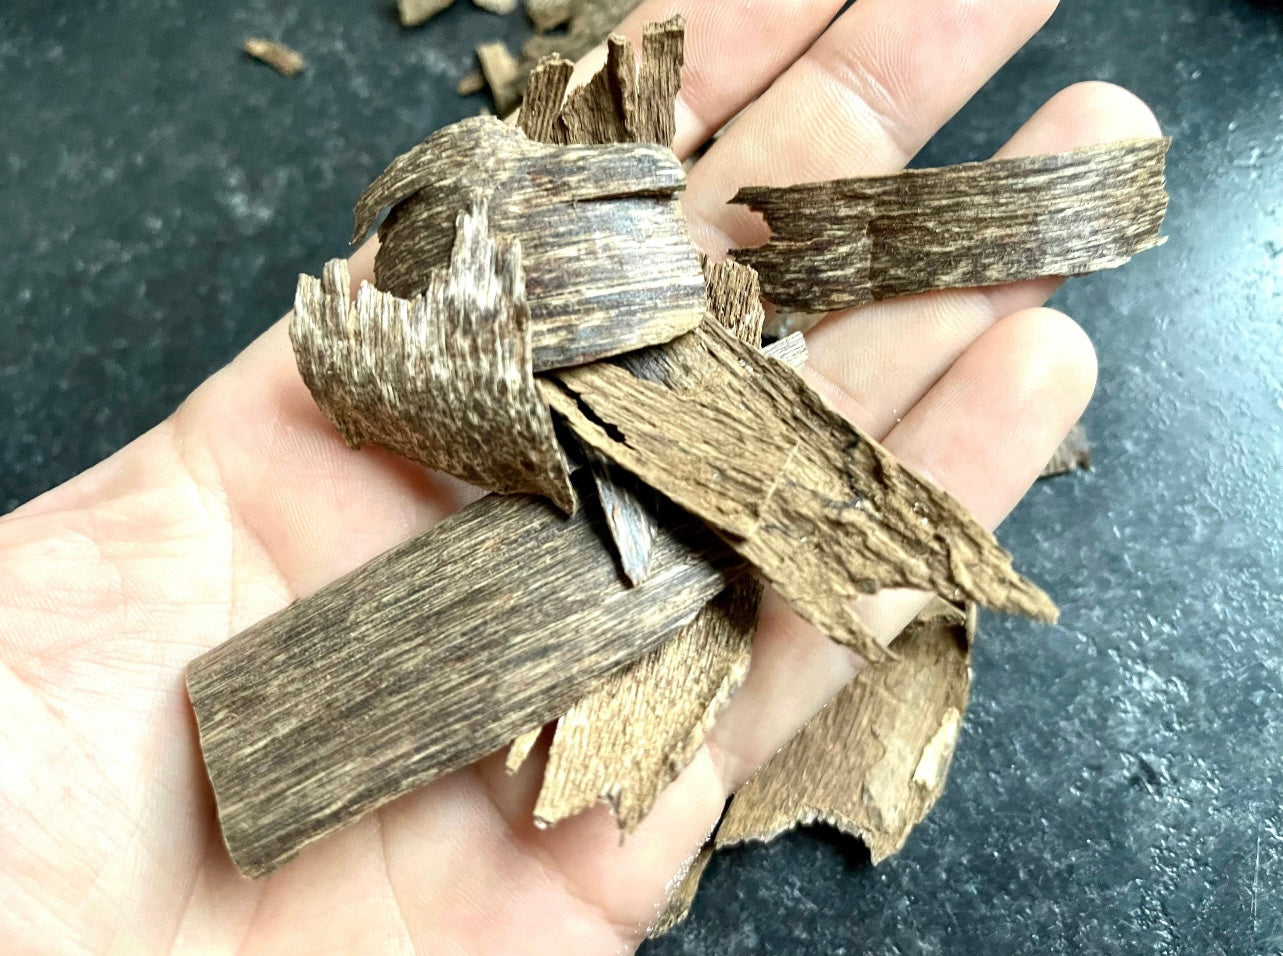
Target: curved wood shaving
874 761
444 379
845 243
586 217
639 729
819 508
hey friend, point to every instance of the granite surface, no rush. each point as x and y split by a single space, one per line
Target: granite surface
1118 784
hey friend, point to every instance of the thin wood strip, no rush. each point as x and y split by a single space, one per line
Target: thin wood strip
519 749
604 110
629 509
435 654
845 243
545 94
282 59
874 761
791 350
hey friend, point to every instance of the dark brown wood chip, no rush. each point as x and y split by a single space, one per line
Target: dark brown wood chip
427 658
609 264
444 379
414 13
845 243
629 509
278 56
874 761
1074 454
820 509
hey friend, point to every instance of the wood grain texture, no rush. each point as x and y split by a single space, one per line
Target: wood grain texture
873 762
282 59
639 729
519 749
415 13
585 217
435 654
444 379
845 243
681 896
820 509
629 509
1074 454
791 350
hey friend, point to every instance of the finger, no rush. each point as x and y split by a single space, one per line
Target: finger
859 358
983 433
861 101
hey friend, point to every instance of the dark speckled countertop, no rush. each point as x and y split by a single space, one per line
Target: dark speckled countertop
1119 783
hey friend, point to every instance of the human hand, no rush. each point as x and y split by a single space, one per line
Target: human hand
246 498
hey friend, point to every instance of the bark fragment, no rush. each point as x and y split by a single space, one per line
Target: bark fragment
873 762
444 379
1073 454
429 657
278 56
585 216
845 243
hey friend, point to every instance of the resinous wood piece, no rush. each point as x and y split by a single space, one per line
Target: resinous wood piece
847 242
444 379
429 657
873 762
608 261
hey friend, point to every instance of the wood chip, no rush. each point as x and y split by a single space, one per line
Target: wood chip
681 896
429 657
791 350
444 379
874 761
629 509
549 14
519 749
639 729
500 7
417 12
585 218
845 243
499 67
1074 454
820 509
471 83
278 56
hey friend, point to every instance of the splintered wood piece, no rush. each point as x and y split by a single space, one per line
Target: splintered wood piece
818 507
499 67
628 739
278 56
628 506
545 94
414 13
681 896
1073 454
616 105
444 379
609 264
791 350
429 657
735 299
874 761
845 243
520 749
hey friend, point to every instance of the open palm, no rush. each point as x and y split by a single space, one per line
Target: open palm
246 499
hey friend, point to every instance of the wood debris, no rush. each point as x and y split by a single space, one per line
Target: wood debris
549 14
499 67
415 13
845 243
470 83
519 749
1074 454
501 7
681 896
338 703
444 379
278 56
874 761
584 216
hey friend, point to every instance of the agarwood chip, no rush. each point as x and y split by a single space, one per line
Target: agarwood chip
681 896
545 94
469 83
791 350
499 67
520 749
819 508
501 7
549 14
845 243
278 56
416 12
628 506
639 729
429 657
587 218
444 379
1073 454
874 761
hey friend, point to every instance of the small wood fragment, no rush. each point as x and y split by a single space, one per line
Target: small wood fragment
681 896
444 379
499 67
791 350
431 656
519 749
418 12
873 762
1074 454
845 243
471 83
278 56
628 507
547 15
586 218
820 509
626 741
500 7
